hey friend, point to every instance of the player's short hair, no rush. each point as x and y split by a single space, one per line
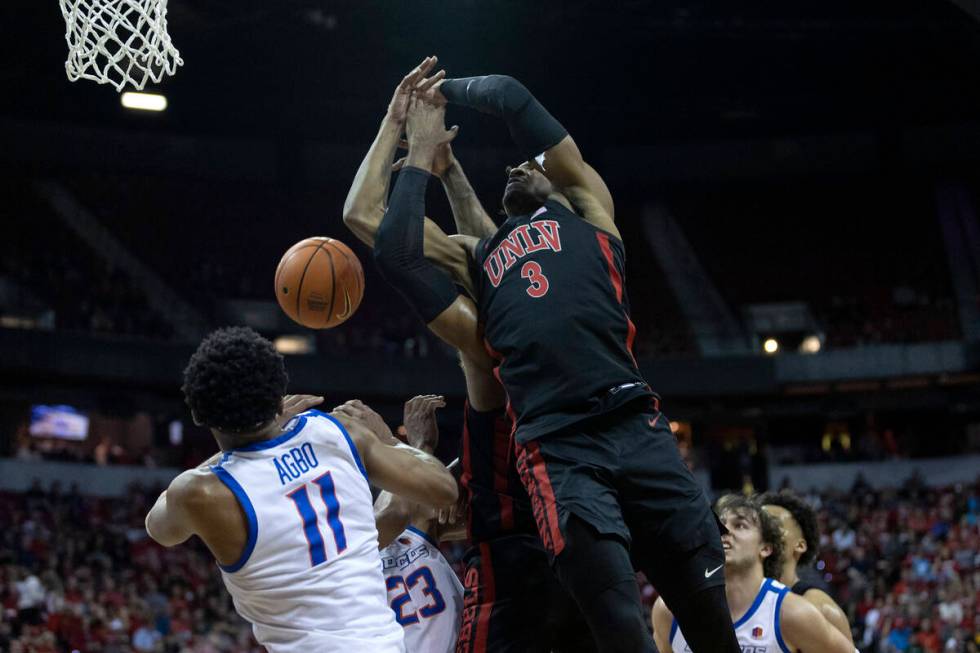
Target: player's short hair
804 515
235 380
771 532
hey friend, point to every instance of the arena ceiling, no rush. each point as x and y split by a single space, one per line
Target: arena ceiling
636 72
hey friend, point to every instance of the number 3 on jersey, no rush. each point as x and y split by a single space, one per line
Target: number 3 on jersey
539 283
311 527
437 604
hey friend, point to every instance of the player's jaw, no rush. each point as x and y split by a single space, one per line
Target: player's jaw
741 543
526 190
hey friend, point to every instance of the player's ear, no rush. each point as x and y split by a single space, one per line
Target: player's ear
765 550
194 417
800 547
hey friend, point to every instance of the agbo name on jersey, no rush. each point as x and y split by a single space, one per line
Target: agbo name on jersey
295 462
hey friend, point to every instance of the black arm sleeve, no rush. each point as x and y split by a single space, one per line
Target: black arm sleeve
532 127
399 253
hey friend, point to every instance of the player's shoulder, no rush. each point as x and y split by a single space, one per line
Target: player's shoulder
818 596
795 610
660 610
198 489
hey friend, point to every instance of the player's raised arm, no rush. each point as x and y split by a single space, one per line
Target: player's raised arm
398 247
403 470
366 200
541 137
805 629
468 212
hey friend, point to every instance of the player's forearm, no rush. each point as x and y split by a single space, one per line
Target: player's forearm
471 219
399 249
366 199
532 127
430 482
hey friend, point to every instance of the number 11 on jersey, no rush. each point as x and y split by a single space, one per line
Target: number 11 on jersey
311 527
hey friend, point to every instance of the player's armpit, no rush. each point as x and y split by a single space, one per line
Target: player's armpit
564 166
661 618
411 474
804 628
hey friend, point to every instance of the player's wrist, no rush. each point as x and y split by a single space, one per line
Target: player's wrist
421 155
447 170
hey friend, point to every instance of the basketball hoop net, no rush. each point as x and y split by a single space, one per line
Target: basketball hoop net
118 42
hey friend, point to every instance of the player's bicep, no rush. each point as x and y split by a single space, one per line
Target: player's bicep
806 629
458 327
564 166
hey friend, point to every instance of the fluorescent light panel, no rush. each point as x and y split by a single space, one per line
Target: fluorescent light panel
143 101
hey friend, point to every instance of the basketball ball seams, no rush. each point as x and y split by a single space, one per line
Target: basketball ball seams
333 286
355 267
299 286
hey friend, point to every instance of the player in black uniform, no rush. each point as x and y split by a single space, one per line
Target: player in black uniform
801 540
512 602
595 454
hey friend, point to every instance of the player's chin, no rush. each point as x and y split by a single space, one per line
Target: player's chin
518 200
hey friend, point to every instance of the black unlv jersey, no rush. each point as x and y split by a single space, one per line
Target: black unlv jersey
554 309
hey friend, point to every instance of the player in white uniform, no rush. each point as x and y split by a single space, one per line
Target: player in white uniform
766 616
424 592
801 539
286 508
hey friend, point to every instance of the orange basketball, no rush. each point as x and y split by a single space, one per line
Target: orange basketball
319 282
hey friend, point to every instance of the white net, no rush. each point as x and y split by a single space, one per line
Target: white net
118 42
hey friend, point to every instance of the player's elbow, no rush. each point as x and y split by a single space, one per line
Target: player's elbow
355 219
510 93
445 491
157 532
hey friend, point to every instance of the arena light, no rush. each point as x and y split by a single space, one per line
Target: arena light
770 346
294 344
810 345
143 101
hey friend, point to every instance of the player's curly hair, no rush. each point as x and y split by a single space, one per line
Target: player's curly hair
805 516
771 532
235 380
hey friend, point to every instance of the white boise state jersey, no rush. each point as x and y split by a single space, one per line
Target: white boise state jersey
424 592
309 578
758 630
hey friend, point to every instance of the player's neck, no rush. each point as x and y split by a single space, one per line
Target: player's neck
741 588
229 441
788 575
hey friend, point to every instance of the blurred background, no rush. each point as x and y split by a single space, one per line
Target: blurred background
796 185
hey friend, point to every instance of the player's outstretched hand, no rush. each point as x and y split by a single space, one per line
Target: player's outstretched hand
293 405
428 91
420 421
358 410
425 126
398 107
